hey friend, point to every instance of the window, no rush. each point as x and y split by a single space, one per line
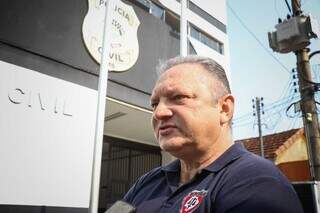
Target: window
206 39
195 33
157 11
145 3
206 16
151 8
191 49
173 21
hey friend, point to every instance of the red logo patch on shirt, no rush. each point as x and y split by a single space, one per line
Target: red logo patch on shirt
192 201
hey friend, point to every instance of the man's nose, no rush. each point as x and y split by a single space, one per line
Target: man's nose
162 111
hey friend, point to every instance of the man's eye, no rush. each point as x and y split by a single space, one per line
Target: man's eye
154 105
179 97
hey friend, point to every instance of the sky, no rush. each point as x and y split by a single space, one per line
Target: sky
257 71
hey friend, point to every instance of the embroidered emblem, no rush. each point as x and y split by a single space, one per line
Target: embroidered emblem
192 201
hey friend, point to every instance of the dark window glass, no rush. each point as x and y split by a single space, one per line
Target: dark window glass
192 51
145 3
205 39
195 33
156 11
209 18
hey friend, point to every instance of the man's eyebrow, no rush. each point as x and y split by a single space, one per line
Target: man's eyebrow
153 97
152 100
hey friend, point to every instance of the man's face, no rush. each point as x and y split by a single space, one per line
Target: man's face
185 116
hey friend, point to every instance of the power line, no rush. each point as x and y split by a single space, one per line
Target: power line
240 125
288 6
286 88
273 109
244 116
256 38
283 102
271 106
275 122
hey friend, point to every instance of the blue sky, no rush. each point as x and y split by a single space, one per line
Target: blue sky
255 71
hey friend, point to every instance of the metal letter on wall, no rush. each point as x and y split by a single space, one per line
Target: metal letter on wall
46 124
124 45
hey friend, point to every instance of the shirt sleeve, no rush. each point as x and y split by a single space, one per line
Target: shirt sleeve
258 194
132 193
129 196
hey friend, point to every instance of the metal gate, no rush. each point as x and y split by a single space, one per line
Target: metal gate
122 164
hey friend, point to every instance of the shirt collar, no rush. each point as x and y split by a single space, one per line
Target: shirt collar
231 154
172 167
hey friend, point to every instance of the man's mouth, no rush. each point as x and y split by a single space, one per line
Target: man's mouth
166 129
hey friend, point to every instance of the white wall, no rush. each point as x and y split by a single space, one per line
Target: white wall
217 8
46 139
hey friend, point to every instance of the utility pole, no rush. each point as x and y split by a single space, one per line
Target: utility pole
308 105
258 112
293 35
309 112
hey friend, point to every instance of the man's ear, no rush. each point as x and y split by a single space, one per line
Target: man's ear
226 108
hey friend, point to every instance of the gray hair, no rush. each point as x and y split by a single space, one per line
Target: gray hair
209 64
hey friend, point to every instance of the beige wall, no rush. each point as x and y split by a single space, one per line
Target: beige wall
295 151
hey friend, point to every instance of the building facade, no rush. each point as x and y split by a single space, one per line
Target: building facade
48 94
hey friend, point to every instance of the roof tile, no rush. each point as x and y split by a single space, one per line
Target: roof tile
271 143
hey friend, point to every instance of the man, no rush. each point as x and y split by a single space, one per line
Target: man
192 113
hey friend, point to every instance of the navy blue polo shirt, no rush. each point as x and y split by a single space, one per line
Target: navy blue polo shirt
238 181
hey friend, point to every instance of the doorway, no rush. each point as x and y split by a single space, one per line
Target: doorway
123 162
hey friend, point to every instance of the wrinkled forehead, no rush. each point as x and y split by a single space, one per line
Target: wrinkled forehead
185 72
166 82
169 76
181 76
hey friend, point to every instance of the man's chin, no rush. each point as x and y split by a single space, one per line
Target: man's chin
172 145
170 148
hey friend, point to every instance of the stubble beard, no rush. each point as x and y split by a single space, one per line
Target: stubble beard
176 143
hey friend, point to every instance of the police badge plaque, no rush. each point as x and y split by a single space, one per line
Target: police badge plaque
124 40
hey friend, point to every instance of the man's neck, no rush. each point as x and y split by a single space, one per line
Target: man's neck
189 168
